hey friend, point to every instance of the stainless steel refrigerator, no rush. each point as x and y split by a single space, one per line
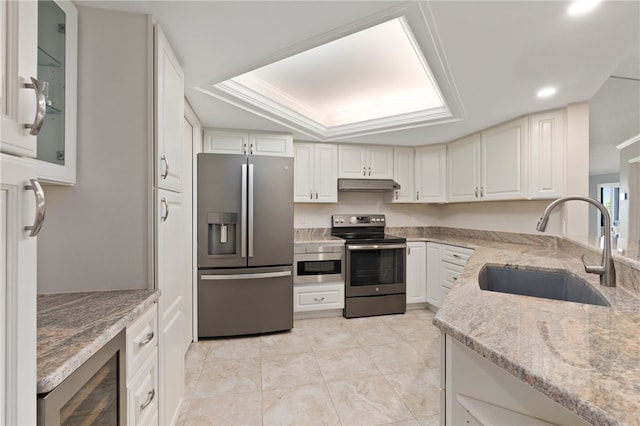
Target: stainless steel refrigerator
245 244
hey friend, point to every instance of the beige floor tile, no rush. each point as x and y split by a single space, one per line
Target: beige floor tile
330 338
430 421
221 377
412 422
376 334
290 371
346 364
429 349
293 342
419 390
368 401
398 358
236 348
307 405
229 410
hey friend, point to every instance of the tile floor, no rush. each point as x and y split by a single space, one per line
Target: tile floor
330 371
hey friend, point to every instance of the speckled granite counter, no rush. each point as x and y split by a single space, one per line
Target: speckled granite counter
314 235
74 326
586 358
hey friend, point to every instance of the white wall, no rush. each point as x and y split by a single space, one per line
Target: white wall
96 234
577 171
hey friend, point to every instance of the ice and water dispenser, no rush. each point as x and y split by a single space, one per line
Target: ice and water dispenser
222 233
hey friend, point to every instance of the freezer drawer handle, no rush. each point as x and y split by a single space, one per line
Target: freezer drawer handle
246 276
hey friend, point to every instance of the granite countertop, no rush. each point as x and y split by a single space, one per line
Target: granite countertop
74 326
584 357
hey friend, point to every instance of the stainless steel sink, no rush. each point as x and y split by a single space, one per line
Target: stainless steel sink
558 285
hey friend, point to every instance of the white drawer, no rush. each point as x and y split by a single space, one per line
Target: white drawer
451 273
142 338
457 255
318 297
143 393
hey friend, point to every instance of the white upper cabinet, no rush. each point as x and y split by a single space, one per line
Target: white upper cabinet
316 172
221 141
20 98
431 174
547 155
362 161
57 73
403 173
491 165
275 144
463 169
169 92
504 165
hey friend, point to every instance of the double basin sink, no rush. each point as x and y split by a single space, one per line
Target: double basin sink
558 285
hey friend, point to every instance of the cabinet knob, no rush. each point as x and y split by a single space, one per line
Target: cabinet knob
318 299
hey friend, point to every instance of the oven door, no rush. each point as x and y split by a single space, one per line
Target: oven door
375 269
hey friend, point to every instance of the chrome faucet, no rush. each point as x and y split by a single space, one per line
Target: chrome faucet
606 271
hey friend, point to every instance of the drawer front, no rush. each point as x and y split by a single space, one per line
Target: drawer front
451 273
143 393
456 255
318 297
142 338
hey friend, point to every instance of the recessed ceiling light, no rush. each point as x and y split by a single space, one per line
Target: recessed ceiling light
578 7
546 92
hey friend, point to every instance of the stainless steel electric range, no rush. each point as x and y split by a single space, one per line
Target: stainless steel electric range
375 271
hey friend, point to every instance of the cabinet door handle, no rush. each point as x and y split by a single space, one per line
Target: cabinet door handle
482 191
310 194
316 195
41 107
364 170
146 339
166 207
457 256
408 250
150 396
251 149
397 195
369 170
166 167
318 299
244 149
476 192
39 217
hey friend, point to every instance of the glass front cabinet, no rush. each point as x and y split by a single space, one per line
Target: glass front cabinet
57 73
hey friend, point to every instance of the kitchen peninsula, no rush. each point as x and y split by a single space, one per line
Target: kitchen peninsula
582 357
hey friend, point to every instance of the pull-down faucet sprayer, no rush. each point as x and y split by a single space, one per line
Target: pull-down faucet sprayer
606 271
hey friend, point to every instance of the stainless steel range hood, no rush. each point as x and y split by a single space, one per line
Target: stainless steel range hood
367 185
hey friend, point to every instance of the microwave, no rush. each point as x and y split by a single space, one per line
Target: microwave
318 263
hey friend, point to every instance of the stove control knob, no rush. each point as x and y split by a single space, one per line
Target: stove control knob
353 219
382 219
341 220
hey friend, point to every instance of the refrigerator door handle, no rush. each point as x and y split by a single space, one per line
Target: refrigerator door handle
250 210
245 276
243 214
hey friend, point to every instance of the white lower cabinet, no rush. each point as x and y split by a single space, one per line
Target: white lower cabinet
416 272
444 265
477 392
142 369
318 297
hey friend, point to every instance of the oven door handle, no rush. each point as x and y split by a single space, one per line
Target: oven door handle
375 247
